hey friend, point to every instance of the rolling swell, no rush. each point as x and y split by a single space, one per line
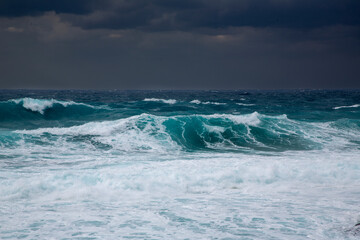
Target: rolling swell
216 132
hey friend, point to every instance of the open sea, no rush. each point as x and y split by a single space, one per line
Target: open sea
179 164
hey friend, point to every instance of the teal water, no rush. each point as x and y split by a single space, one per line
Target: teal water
179 164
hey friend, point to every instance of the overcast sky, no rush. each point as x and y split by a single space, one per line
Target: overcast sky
179 44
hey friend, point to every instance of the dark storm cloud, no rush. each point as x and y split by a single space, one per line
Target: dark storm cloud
179 44
18 8
190 14
289 14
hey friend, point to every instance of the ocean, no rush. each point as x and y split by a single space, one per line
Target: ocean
179 164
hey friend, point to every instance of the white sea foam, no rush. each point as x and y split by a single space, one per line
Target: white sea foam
245 104
206 103
107 128
251 119
352 106
40 105
168 101
91 128
138 133
196 101
215 129
187 173
311 194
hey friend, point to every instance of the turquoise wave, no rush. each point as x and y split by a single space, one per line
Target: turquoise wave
215 132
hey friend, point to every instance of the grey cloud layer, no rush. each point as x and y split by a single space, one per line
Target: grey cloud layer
19 8
190 14
179 44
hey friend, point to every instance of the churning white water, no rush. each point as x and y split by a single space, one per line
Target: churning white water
185 196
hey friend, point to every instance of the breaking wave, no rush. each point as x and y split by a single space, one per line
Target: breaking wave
219 132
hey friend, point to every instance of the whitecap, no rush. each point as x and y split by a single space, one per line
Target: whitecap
245 104
195 101
352 106
168 101
251 119
206 103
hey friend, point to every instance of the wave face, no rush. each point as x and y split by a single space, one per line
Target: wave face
179 164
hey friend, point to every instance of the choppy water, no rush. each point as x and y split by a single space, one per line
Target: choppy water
179 165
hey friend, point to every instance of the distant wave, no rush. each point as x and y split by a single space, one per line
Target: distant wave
352 106
40 105
168 101
206 103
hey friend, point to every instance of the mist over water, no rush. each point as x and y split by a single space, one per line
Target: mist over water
179 164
